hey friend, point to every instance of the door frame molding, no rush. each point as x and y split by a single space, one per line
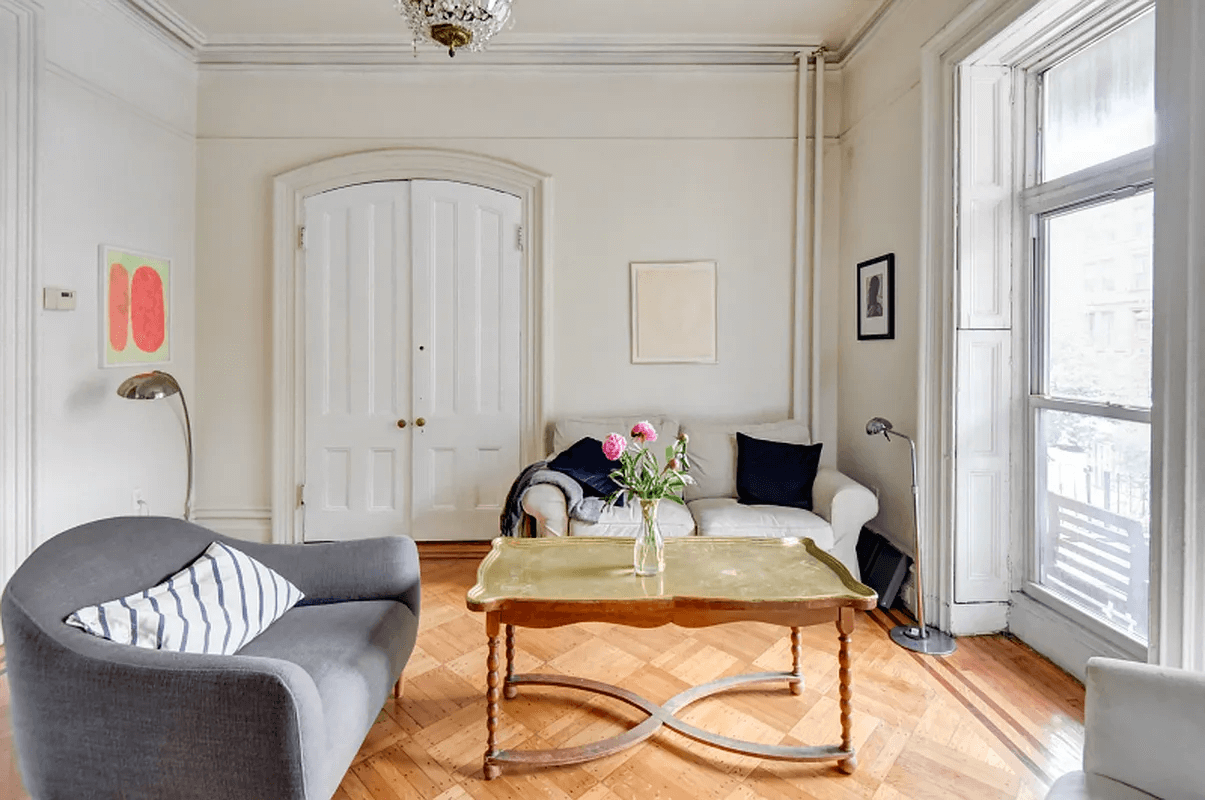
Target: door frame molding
290 191
18 271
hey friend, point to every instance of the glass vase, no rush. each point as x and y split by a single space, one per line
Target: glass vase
648 554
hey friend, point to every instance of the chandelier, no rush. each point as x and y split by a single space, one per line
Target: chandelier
455 24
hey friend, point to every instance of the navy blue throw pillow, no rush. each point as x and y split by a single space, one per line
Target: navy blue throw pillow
585 462
775 473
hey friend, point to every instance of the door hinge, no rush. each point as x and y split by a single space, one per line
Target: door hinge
300 237
300 495
519 237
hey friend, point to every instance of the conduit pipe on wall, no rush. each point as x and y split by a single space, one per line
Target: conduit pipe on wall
817 238
798 362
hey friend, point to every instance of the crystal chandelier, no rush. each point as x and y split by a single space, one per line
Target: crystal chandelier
455 24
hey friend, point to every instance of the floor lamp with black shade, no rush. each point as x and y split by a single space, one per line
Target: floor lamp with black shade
919 638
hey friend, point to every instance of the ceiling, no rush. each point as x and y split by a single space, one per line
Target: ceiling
830 22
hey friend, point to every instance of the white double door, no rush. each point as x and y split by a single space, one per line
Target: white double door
412 341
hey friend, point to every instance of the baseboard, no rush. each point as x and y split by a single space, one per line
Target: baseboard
248 524
456 551
1058 638
975 619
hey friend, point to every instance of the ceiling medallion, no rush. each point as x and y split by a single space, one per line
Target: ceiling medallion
455 24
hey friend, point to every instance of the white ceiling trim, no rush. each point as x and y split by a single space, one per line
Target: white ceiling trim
510 50
163 20
514 49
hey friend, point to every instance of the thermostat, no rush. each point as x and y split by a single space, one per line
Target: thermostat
56 299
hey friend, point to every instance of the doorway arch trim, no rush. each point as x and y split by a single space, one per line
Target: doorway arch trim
290 191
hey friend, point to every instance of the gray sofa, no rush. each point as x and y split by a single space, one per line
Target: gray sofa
280 719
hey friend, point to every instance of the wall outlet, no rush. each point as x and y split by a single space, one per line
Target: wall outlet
140 505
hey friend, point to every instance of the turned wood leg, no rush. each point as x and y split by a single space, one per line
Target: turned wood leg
398 687
491 698
797 660
508 689
845 627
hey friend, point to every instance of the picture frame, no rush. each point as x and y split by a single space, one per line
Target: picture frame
135 308
876 298
674 310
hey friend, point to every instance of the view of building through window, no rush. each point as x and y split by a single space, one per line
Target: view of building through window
1092 398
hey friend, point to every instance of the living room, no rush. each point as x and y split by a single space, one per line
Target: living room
634 136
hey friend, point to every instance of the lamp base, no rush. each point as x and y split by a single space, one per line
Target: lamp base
930 641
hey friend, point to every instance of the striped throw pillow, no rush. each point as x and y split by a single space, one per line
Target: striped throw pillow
215 605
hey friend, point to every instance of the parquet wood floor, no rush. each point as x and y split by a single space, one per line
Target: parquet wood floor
993 721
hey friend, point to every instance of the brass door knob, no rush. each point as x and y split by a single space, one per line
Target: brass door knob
420 422
401 423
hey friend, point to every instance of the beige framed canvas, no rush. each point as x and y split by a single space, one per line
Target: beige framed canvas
674 312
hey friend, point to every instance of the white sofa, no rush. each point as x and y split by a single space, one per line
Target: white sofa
840 505
1144 730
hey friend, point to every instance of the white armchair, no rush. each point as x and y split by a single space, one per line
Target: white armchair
1144 735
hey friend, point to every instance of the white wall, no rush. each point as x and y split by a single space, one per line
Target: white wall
117 166
880 212
669 164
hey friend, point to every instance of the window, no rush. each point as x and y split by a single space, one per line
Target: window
1090 212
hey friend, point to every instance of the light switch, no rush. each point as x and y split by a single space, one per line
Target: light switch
56 299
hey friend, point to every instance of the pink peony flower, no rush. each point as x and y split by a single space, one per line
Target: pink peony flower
613 446
643 431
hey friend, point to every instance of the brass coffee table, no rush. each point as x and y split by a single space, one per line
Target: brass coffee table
550 582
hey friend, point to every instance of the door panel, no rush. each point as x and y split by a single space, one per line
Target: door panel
357 334
465 357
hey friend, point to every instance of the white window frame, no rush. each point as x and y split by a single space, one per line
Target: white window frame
1112 180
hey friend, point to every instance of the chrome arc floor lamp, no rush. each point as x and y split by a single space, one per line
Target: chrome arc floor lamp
919 638
154 386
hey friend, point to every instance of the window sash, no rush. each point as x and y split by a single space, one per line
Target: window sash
1114 179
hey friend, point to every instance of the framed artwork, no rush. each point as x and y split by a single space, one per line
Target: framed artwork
876 298
674 313
135 310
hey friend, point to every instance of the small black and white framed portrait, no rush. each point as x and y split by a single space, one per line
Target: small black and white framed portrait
876 298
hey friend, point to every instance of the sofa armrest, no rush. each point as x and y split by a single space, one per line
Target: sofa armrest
847 505
367 569
155 723
546 505
1143 726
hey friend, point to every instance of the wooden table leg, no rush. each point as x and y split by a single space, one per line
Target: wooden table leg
845 627
491 769
399 687
508 688
797 660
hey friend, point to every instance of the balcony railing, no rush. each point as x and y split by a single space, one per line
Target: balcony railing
1098 560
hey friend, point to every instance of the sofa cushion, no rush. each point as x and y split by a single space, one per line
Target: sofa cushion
725 516
214 605
1078 786
353 651
775 473
712 452
568 431
674 519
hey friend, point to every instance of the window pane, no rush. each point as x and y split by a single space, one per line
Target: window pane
1100 102
1099 283
1094 543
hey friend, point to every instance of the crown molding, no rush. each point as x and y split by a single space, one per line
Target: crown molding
288 51
862 32
166 23
510 50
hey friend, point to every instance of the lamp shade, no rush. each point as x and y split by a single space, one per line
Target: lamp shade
149 386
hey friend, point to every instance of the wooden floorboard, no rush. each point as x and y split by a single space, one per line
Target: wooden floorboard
994 720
